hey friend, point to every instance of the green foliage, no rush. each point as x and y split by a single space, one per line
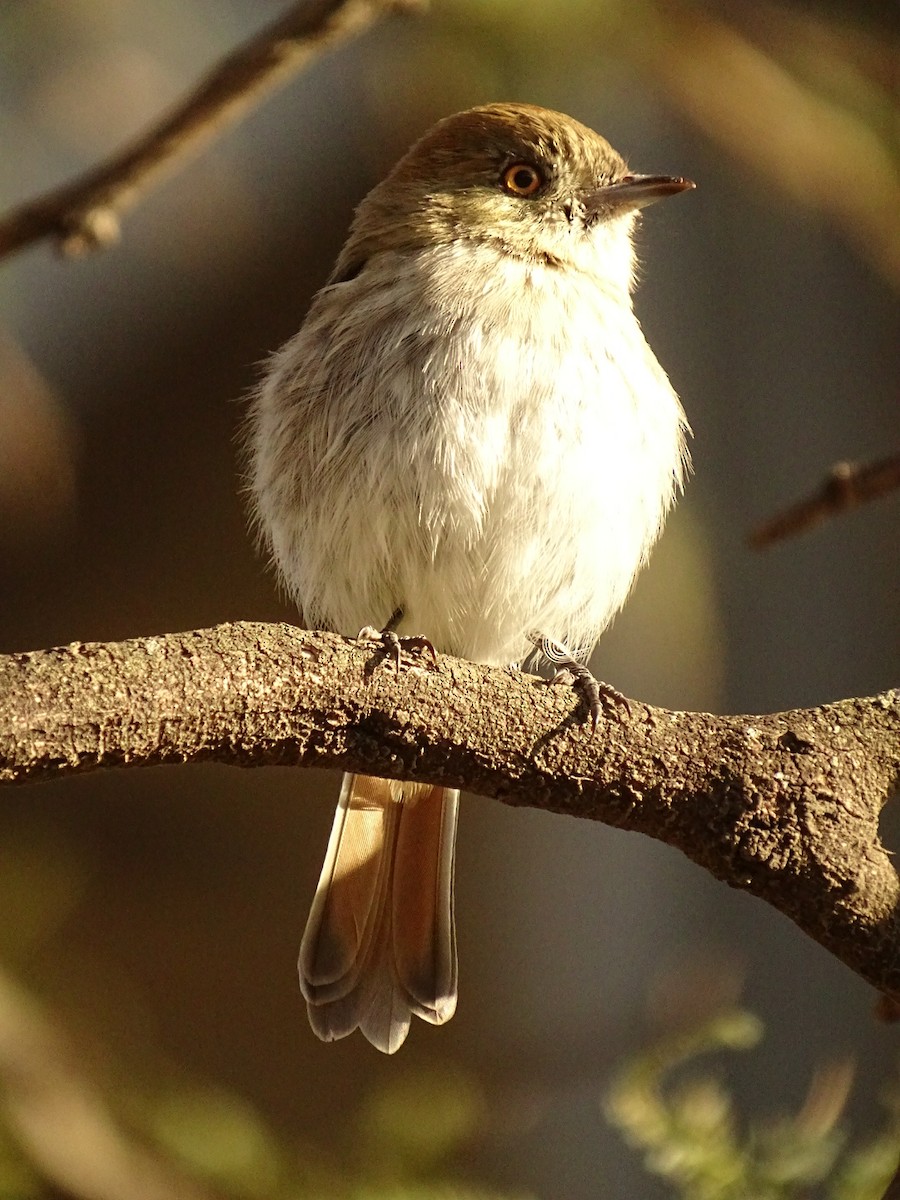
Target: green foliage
403 1135
689 1134
18 1178
414 1122
219 1138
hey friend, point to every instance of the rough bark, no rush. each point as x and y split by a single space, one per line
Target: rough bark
784 806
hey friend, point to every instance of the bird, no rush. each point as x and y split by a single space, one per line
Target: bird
468 441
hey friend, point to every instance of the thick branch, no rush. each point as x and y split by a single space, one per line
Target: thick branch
784 806
845 486
84 214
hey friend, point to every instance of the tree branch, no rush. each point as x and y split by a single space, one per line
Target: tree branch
785 806
846 486
85 214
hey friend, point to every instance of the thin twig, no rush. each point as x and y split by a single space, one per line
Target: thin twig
85 214
845 486
785 806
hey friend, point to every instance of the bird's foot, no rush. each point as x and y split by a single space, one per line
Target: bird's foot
573 674
394 644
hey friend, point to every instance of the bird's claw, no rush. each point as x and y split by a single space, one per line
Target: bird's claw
395 644
573 674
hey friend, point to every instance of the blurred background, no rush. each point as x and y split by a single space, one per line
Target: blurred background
156 915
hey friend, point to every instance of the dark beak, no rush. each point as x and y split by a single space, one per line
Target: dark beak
635 191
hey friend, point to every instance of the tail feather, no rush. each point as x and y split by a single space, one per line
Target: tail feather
424 929
351 891
380 942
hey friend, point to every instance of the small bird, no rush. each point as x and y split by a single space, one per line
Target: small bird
468 440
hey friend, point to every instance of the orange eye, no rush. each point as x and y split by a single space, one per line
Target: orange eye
521 179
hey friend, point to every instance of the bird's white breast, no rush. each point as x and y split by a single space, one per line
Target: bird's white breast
488 444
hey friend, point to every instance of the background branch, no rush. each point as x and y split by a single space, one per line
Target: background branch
785 806
846 486
85 213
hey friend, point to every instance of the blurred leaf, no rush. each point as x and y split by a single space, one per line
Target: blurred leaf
418 1119
866 1170
220 1138
18 1177
689 1135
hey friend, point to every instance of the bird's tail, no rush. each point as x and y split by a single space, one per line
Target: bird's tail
380 941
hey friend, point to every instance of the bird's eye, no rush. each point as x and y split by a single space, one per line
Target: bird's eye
521 179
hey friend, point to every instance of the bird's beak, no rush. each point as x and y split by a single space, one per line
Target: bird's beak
635 191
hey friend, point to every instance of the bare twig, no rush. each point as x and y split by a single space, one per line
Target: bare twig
846 485
785 806
85 214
